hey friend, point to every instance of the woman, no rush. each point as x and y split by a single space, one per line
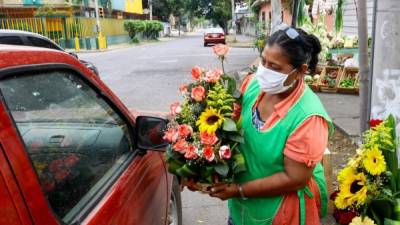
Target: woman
286 132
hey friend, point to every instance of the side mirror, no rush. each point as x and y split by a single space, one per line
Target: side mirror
150 132
73 54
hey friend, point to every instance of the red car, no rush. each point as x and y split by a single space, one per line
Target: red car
72 153
214 36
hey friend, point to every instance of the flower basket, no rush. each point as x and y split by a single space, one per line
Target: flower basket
312 80
205 131
329 79
348 81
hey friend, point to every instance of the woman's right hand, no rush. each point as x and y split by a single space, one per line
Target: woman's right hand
190 184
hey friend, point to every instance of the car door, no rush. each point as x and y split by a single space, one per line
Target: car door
74 154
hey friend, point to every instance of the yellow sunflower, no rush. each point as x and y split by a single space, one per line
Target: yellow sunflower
342 201
345 173
209 121
373 161
354 188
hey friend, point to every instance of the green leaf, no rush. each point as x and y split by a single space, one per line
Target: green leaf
239 164
231 84
391 222
222 169
236 137
229 125
185 171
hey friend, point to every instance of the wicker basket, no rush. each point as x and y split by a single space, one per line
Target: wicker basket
327 70
348 72
315 85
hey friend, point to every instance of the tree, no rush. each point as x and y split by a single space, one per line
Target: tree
218 11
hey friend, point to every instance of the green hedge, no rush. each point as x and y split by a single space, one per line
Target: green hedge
150 29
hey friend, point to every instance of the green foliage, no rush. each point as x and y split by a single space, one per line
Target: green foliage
339 16
152 29
133 27
219 98
301 17
47 11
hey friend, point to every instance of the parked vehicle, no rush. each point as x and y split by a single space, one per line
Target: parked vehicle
72 153
214 36
17 37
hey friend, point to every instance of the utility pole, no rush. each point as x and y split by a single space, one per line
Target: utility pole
363 62
233 20
98 27
151 9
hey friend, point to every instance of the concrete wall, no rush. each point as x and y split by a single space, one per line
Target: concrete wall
350 17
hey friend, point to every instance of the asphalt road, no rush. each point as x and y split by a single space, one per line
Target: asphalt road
147 78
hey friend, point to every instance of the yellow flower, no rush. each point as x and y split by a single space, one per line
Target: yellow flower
359 221
342 201
345 173
354 188
209 121
373 161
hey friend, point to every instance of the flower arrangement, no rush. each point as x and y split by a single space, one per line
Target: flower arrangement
369 185
206 129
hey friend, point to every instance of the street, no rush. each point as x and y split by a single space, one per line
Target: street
147 78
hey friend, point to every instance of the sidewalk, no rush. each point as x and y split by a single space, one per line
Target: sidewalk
242 41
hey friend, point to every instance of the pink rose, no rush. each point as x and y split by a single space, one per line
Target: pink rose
171 135
183 88
61 175
225 152
237 110
56 165
208 153
198 93
221 50
180 146
197 72
213 76
175 108
191 152
208 139
185 131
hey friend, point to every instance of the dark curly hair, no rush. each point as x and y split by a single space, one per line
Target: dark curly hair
302 50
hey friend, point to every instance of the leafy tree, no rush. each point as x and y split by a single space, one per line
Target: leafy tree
218 11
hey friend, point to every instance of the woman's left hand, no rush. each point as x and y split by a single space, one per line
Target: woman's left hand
224 191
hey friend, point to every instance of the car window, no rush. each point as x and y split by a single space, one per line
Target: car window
39 42
11 40
73 137
214 30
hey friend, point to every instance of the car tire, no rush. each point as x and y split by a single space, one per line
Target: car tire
175 204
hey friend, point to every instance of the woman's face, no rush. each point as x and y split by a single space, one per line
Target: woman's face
273 58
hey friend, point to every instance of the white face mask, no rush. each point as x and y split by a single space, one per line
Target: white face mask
272 82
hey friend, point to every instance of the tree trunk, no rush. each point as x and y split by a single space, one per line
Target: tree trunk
276 7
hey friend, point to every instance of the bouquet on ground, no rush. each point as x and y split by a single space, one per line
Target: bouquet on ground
205 131
369 186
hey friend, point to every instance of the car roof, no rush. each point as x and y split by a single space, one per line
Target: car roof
27 33
19 55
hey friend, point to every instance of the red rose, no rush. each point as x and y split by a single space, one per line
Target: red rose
175 108
71 160
197 72
180 146
344 216
198 93
185 131
221 50
237 110
208 139
208 153
171 135
375 122
191 152
225 152
213 76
